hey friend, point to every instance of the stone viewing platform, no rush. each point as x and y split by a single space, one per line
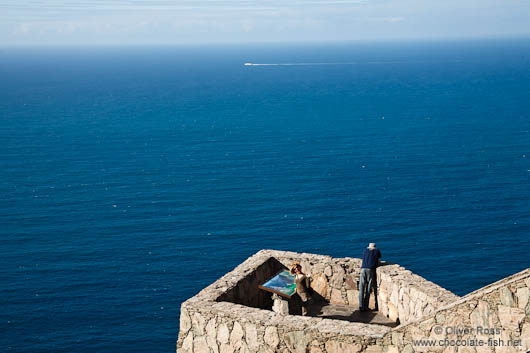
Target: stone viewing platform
234 315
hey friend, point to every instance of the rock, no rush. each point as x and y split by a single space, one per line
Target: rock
397 338
406 307
383 296
374 349
338 269
401 313
265 349
510 318
212 344
211 335
353 297
394 299
506 297
336 297
271 336
306 268
280 306
385 278
415 333
525 337
440 318
338 277
413 293
426 325
317 268
522 297
342 347
226 348
187 344
198 322
371 301
251 337
327 271
383 308
407 349
400 293
505 337
223 334
337 280
392 312
320 284
418 308
296 341
241 347
482 315
467 350
314 347
350 282
422 296
391 349
237 334
200 345
211 329
185 321
428 309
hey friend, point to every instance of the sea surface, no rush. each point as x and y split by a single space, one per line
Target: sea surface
133 177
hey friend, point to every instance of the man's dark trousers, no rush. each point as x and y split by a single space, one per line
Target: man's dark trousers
367 281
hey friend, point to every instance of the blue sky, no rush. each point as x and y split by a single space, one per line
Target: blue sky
85 22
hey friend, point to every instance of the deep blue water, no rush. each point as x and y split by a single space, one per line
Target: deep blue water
131 178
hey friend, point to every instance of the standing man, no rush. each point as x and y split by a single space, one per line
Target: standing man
368 277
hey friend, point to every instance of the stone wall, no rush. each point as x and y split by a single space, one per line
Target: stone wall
246 291
210 323
228 328
231 316
333 279
404 296
214 322
494 315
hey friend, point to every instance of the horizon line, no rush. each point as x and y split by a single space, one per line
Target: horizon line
274 42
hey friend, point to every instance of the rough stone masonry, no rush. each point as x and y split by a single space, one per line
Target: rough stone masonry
233 315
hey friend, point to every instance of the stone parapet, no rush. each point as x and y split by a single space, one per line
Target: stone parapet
233 315
404 296
212 321
495 318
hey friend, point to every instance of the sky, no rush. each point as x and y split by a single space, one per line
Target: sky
136 22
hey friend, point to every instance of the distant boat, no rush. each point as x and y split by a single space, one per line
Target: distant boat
248 64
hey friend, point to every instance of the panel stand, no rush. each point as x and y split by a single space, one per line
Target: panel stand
280 305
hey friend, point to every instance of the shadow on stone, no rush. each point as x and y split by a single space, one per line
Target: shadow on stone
349 313
246 291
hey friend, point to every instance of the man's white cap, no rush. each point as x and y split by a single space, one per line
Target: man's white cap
371 246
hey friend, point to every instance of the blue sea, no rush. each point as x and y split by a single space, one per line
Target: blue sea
133 177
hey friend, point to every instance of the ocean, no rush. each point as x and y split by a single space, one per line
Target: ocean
133 177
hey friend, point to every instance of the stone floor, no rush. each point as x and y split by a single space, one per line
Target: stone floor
349 313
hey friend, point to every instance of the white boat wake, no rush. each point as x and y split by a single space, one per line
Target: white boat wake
345 63
300 64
